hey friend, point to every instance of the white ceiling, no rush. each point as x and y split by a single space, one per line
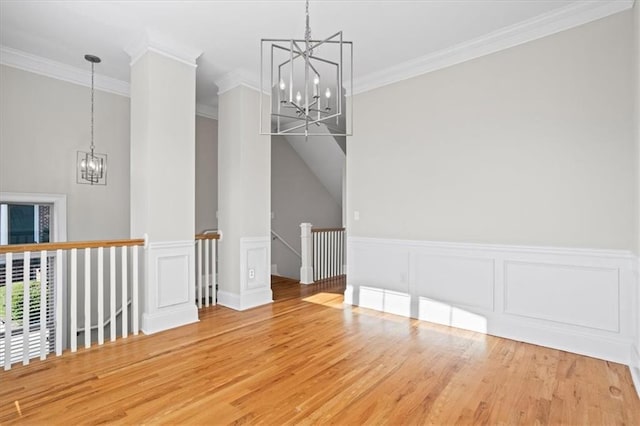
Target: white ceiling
387 35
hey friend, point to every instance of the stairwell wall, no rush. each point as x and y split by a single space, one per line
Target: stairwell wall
297 196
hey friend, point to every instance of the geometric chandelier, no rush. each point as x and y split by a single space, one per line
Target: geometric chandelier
307 81
91 167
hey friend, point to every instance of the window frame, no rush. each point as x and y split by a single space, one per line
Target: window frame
59 214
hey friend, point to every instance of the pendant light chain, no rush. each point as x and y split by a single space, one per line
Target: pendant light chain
307 30
92 101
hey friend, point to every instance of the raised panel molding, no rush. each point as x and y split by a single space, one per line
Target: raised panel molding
169 288
464 281
570 294
170 271
578 300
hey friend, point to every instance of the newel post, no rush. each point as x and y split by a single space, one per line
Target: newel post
306 245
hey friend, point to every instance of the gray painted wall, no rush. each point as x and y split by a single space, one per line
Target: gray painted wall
636 38
296 196
206 173
532 145
44 122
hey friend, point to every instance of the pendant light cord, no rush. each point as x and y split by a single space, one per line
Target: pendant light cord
307 30
92 90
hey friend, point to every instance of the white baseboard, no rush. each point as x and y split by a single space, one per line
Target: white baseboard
635 367
274 269
167 319
577 300
241 302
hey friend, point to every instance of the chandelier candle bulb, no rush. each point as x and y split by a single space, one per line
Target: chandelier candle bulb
282 91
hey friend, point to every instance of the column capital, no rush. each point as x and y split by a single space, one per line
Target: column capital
152 41
236 78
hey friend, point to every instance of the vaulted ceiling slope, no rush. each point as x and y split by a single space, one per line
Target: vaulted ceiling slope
393 40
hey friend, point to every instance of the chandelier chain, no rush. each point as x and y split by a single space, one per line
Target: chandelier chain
307 30
92 95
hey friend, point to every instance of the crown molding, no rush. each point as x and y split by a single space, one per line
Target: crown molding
39 65
207 111
236 78
152 41
567 17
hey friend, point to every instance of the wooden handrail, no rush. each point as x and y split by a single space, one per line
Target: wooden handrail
210 236
19 248
326 229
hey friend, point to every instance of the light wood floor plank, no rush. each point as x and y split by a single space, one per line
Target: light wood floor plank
307 359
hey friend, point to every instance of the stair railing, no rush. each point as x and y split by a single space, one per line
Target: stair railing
322 253
206 267
34 318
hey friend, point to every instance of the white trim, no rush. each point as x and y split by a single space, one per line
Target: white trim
59 202
634 367
607 253
572 15
4 225
245 301
207 111
542 295
168 319
236 78
152 41
229 300
49 68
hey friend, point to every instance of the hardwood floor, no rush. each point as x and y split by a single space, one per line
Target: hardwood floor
307 359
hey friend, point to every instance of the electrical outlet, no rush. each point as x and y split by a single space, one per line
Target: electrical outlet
252 273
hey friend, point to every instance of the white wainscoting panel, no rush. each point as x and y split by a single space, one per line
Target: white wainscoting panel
172 270
255 275
578 300
169 286
569 294
464 281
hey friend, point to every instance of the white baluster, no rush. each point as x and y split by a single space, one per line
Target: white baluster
134 292
199 273
43 304
324 255
333 254
7 306
100 295
336 253
26 307
112 293
206 272
214 272
125 295
316 254
87 297
59 305
73 306
341 258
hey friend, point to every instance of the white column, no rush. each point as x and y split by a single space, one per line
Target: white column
163 78
244 199
306 245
